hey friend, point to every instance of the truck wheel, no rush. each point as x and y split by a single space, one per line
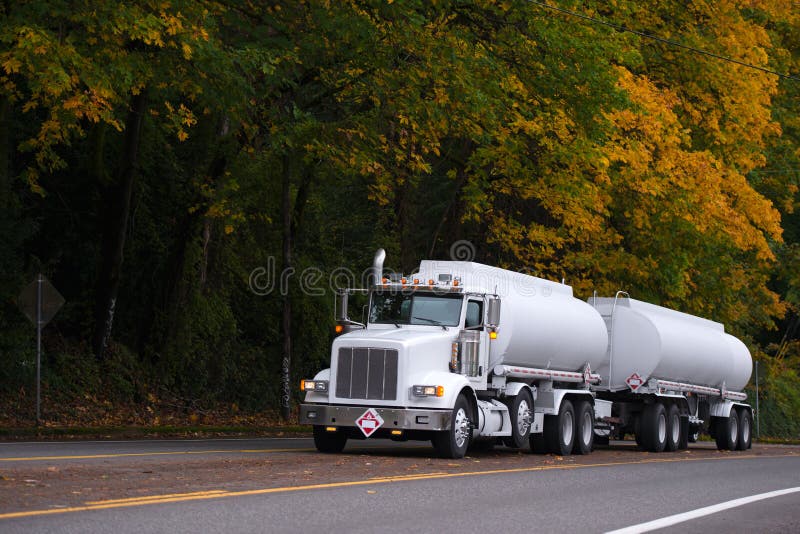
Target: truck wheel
684 441
726 432
520 408
453 443
654 427
694 434
673 428
637 430
559 431
745 429
329 441
584 428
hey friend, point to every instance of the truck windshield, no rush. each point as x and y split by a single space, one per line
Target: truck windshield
394 307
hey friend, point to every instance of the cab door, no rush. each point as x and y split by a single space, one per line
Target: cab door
475 319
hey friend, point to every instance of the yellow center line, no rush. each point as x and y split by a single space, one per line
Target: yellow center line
130 454
218 494
146 498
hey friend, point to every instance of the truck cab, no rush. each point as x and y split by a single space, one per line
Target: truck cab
425 344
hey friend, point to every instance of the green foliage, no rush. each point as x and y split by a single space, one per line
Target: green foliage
779 402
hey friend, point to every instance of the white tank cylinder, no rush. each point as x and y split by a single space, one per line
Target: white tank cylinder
541 324
656 342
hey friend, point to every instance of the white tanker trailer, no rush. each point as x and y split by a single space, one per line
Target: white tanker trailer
465 354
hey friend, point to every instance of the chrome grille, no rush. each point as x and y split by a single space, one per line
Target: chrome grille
367 373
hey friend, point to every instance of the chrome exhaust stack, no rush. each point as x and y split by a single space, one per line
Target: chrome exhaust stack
377 266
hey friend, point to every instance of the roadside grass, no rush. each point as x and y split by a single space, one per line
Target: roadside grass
162 431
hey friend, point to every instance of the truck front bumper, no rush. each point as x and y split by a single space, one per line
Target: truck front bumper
393 418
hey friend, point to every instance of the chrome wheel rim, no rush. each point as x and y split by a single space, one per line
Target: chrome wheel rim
745 430
734 428
566 428
676 428
587 429
523 418
662 428
461 428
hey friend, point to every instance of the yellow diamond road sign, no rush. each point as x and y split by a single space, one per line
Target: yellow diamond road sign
51 300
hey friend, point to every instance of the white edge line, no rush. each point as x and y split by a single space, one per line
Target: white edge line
700 512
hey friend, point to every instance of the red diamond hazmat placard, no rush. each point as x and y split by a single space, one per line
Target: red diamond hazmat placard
369 422
634 381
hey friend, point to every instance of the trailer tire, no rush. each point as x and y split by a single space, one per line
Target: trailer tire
584 428
673 428
329 442
654 427
637 431
745 429
726 432
694 433
684 442
559 430
454 443
520 410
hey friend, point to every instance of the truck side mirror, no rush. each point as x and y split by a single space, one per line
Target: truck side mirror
341 312
493 312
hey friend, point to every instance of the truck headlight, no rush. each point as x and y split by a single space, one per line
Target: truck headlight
428 391
320 386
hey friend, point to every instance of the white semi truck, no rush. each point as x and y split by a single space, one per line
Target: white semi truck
465 354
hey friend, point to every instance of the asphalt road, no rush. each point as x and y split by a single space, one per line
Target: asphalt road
283 485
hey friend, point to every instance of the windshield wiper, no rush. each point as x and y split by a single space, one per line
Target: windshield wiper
431 321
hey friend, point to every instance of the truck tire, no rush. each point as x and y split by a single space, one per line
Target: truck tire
726 432
584 428
454 443
673 428
330 442
654 427
637 430
559 430
694 433
684 442
745 429
520 409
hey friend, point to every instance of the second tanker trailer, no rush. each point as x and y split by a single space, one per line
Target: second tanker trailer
465 354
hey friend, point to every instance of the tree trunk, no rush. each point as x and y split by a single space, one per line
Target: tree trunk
5 151
459 185
167 305
286 219
115 227
401 212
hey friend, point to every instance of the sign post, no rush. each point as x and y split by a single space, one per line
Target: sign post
39 301
38 348
758 412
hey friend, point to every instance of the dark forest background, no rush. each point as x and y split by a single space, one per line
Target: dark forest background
155 154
